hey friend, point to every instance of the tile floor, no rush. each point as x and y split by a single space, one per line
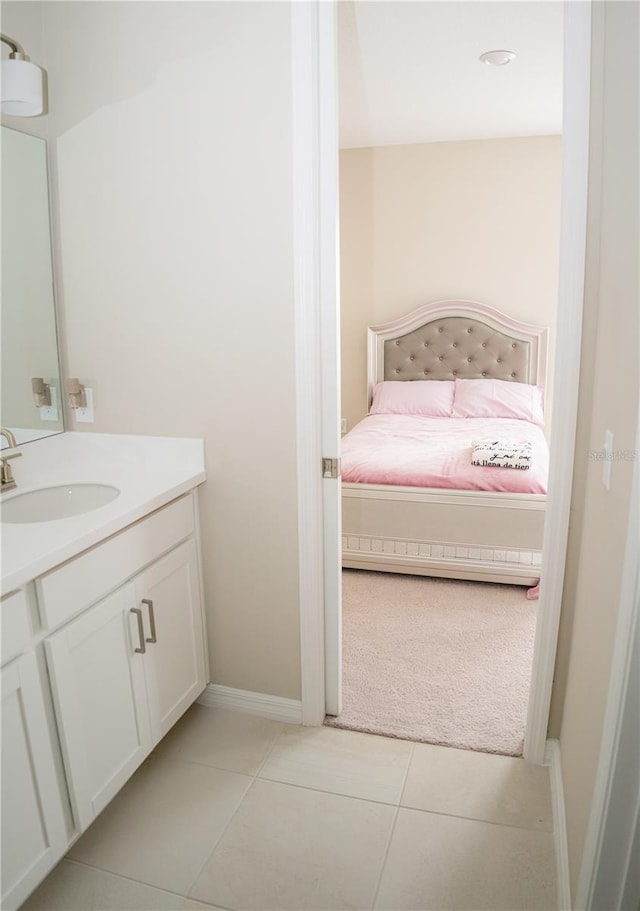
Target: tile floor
236 812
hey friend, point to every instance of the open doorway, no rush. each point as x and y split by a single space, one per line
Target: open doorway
452 197
317 370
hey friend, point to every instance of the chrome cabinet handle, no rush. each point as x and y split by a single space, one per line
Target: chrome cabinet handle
138 613
152 620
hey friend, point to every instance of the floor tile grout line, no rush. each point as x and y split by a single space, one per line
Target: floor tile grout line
253 777
140 882
218 840
406 774
385 857
269 752
308 787
393 828
208 765
129 879
488 822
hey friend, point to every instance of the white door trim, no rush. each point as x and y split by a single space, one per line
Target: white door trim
600 873
315 250
306 254
573 235
314 65
330 346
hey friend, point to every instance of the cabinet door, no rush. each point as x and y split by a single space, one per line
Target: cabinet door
34 834
99 692
169 593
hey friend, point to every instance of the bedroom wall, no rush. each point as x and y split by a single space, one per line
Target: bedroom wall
170 127
474 220
608 400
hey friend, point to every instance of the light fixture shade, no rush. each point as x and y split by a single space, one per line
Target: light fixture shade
22 94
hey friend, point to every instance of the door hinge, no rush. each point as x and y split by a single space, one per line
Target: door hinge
331 468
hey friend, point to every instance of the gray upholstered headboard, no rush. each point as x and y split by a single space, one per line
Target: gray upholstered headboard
457 339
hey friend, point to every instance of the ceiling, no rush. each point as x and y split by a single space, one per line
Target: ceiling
409 71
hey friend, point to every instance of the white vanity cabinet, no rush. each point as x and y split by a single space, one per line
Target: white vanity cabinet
125 666
101 655
81 593
122 674
35 829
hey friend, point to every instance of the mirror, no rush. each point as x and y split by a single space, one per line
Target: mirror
29 342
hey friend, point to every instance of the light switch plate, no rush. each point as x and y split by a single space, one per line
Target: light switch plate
85 415
343 426
50 412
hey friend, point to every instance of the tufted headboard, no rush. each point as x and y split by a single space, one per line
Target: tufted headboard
455 338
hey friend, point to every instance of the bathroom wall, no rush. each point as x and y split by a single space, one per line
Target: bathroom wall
419 223
170 132
608 400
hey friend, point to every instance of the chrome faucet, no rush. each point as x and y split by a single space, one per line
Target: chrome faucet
7 480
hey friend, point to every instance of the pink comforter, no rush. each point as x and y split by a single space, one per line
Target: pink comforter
415 451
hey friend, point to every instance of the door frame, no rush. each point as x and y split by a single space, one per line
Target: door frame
612 838
571 279
315 196
315 217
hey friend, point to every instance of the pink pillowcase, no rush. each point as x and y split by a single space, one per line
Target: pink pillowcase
498 399
432 398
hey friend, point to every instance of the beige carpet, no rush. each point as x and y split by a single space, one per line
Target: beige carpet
436 660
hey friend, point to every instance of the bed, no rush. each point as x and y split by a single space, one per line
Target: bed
402 520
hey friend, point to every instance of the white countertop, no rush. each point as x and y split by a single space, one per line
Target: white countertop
148 471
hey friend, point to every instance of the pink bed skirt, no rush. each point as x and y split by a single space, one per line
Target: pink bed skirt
411 451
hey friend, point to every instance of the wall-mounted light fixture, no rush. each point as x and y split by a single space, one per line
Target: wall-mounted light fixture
41 392
75 390
22 86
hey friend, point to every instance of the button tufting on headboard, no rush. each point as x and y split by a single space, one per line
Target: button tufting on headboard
456 346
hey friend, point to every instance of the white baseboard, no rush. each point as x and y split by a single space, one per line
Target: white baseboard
553 760
277 708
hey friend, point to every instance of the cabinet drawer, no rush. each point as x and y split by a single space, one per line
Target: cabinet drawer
17 610
75 585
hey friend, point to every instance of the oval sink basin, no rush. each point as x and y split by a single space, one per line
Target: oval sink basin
51 503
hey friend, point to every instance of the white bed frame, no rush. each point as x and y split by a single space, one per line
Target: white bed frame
492 537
